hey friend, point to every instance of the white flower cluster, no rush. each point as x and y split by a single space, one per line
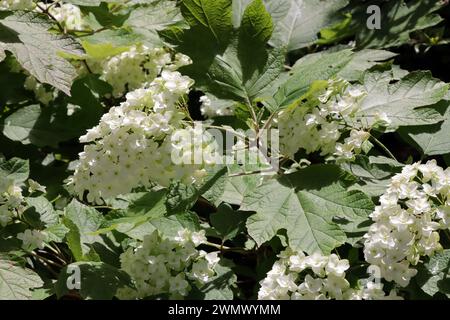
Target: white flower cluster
134 143
32 239
10 199
415 206
129 70
167 265
296 276
351 145
319 126
16 4
67 14
42 94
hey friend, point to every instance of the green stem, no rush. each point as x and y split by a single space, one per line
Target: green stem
48 261
56 199
224 248
103 207
253 114
46 11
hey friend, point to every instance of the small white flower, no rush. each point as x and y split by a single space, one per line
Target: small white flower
336 266
32 239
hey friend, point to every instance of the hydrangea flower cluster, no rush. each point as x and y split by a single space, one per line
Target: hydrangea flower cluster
170 266
296 276
67 14
415 206
129 70
320 126
40 91
134 143
16 4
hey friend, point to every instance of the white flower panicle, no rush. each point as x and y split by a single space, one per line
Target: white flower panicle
415 206
16 5
169 266
134 143
129 70
296 276
318 127
68 15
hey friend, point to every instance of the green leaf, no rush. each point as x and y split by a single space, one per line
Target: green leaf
242 75
363 60
219 286
139 227
304 203
241 67
53 124
323 66
82 221
238 9
181 197
150 204
398 21
108 43
14 169
86 218
433 275
256 22
38 50
73 239
150 19
337 32
19 125
227 222
104 16
432 139
98 280
231 189
135 210
402 99
43 207
142 213
214 15
86 92
12 84
302 20
57 232
16 282
373 178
